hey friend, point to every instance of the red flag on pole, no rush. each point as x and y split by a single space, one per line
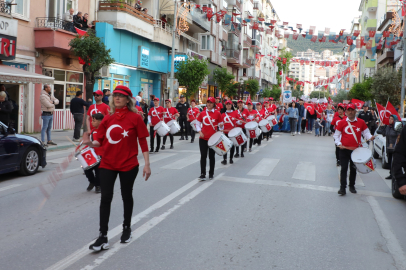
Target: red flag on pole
383 113
358 103
392 110
309 107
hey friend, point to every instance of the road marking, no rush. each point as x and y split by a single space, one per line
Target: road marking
264 167
384 173
155 158
182 163
137 233
258 148
55 153
392 242
305 171
358 180
72 170
57 160
303 186
80 253
9 187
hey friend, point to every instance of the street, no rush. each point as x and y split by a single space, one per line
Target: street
276 208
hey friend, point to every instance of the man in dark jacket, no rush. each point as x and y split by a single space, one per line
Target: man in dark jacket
399 162
5 108
106 95
366 116
182 108
300 107
76 108
78 20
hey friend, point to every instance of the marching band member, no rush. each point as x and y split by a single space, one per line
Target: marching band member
121 133
229 123
340 116
266 113
348 137
192 114
252 116
98 107
206 125
260 114
274 111
155 115
241 115
169 115
219 105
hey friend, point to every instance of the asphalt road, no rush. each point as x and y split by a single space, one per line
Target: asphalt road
277 208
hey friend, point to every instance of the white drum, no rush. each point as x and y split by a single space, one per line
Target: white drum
363 160
193 125
87 158
237 136
162 129
272 120
174 126
220 143
264 125
253 130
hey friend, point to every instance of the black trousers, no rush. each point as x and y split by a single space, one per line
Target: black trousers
192 133
184 126
232 150
170 137
78 118
337 153
270 132
107 180
390 162
151 138
93 175
204 150
237 148
345 158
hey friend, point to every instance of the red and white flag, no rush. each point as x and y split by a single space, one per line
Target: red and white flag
383 113
392 110
330 101
309 107
358 103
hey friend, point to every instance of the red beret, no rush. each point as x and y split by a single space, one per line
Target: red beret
229 102
156 99
123 90
350 106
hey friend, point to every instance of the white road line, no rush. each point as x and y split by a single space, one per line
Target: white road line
9 187
392 242
305 171
137 233
56 153
264 167
258 148
72 170
358 180
80 253
384 173
182 163
303 186
155 157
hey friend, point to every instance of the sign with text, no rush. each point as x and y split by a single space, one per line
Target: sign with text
287 96
8 27
8 45
143 57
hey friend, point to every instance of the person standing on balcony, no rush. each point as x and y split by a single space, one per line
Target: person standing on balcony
48 103
78 20
68 17
85 22
76 108
164 21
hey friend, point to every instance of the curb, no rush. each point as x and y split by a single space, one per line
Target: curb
60 147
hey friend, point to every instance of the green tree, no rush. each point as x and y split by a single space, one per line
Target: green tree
252 87
95 55
276 92
387 83
317 94
283 54
341 95
225 81
266 93
191 73
361 91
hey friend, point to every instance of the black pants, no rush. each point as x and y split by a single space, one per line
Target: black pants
390 162
231 151
78 117
107 180
345 158
265 135
93 175
192 133
184 126
337 153
270 132
204 149
170 137
237 148
151 138
303 125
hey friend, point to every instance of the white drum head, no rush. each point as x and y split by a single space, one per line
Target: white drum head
251 125
157 126
234 132
170 122
361 154
214 138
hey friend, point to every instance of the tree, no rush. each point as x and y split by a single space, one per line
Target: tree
317 94
276 92
386 83
266 93
252 87
225 81
279 63
341 95
191 73
361 91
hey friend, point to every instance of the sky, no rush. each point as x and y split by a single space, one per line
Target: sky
335 15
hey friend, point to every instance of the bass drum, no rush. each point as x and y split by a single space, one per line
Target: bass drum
363 160
220 143
237 136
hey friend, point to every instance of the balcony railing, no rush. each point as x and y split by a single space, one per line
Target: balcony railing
5 7
54 23
233 54
164 26
248 62
201 19
247 40
123 6
257 5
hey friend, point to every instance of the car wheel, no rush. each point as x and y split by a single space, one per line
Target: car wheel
30 162
385 165
395 190
375 155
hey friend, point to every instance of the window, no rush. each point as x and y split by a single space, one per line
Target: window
207 42
20 9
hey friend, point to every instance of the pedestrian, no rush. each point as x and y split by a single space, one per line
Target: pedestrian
76 108
98 107
399 161
241 116
366 115
106 95
347 137
323 121
329 118
155 115
317 127
207 123
310 120
301 110
182 108
48 103
293 115
170 114
5 109
252 117
391 135
144 108
192 114
374 121
93 174
151 102
121 133
340 116
229 120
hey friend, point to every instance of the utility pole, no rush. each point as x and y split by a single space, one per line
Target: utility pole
171 90
402 95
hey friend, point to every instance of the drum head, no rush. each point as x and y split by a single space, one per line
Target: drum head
214 138
170 122
251 125
157 126
263 122
234 132
361 154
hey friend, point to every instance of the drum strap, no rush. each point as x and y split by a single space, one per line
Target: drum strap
157 114
169 114
208 116
229 119
352 130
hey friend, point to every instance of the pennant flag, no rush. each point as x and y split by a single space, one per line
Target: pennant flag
284 61
285 23
370 165
314 38
312 29
356 33
327 31
386 33
372 34
227 19
298 26
378 37
358 103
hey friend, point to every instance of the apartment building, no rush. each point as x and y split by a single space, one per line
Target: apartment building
352 53
303 73
308 54
326 54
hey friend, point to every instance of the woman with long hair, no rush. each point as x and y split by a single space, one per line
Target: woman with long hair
119 133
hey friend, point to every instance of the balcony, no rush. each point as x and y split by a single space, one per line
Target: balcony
258 5
163 34
386 58
124 16
256 45
233 56
53 34
200 18
369 63
247 40
372 5
371 24
386 21
236 3
248 63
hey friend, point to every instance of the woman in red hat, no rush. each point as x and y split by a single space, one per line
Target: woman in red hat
192 114
120 133
170 114
229 121
241 115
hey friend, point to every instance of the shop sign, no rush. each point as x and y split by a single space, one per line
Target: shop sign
143 57
8 46
8 27
21 109
178 58
17 65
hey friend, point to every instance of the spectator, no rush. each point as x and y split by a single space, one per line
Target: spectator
68 20
76 108
138 6
106 95
5 108
48 103
78 20
85 22
391 136
144 107
164 21
151 103
301 109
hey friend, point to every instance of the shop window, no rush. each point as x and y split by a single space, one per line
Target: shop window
71 90
20 9
59 75
74 77
59 91
118 76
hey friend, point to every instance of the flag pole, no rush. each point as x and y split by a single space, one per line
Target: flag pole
378 116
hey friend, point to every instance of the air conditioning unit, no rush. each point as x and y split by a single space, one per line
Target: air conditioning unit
104 72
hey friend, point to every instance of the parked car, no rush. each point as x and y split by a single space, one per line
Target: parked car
19 152
379 147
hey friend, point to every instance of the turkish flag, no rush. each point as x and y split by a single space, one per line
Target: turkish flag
89 157
253 134
309 107
239 139
220 145
80 32
268 127
383 113
284 61
357 103
274 121
330 101
392 110
370 165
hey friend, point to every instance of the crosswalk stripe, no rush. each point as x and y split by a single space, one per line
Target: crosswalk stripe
358 180
182 163
305 171
155 157
264 167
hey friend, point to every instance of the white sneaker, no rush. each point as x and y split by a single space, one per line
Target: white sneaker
298 133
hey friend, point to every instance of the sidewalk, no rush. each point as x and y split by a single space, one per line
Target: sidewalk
60 138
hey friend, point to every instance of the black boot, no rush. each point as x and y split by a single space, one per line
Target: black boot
342 191
352 189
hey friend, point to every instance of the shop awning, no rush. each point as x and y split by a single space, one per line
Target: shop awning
14 75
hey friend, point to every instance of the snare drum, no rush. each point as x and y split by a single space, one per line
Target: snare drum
174 127
162 129
193 125
237 136
363 160
253 130
272 120
87 158
264 125
220 143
